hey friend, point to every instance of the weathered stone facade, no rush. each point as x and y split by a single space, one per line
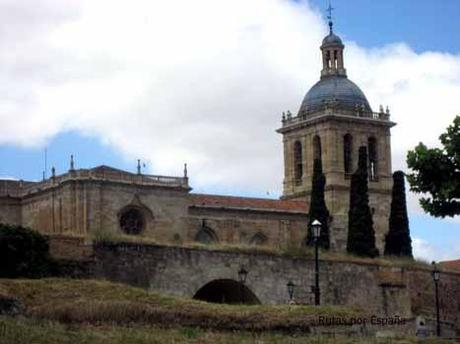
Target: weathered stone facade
91 203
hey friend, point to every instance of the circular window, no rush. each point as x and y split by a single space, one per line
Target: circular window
132 221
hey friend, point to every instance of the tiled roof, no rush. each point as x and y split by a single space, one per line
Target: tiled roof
451 264
215 201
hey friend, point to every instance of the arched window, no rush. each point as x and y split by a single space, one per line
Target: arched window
317 147
298 168
373 158
347 149
206 236
132 221
258 239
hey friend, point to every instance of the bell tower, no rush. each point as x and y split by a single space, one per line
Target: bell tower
333 121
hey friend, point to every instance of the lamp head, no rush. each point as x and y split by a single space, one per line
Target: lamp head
242 274
290 287
436 274
316 229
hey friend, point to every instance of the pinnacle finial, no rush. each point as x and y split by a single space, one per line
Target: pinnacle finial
138 166
72 163
185 171
329 16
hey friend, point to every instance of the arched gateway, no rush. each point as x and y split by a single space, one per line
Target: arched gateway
226 291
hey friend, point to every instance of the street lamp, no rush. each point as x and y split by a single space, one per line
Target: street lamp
436 274
290 287
242 274
316 231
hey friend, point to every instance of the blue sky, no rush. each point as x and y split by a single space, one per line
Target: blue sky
423 24
96 92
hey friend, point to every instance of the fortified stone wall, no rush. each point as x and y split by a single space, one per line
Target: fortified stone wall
382 290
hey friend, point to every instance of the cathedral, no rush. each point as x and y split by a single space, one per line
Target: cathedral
333 121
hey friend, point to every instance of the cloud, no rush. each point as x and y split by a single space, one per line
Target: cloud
203 82
429 252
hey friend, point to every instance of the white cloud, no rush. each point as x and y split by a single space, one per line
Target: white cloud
428 252
202 82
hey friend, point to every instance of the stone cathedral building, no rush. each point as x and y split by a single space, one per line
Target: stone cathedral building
333 121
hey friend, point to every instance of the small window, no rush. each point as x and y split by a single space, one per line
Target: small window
206 236
258 239
373 159
132 221
298 167
347 149
317 147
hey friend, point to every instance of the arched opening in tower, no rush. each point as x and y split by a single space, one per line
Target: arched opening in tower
226 291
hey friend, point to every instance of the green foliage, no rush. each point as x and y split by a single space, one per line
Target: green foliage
24 253
361 235
318 210
437 173
398 241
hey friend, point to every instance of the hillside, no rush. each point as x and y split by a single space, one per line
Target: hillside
89 311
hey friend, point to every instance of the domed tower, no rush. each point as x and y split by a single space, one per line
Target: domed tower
333 121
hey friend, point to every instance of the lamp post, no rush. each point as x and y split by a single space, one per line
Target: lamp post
242 274
436 274
290 287
316 231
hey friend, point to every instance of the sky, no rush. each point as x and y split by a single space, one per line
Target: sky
204 82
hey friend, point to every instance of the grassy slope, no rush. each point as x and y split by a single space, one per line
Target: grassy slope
102 302
26 331
89 311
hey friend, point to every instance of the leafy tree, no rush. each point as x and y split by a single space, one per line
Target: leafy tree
437 172
398 241
318 210
361 235
23 253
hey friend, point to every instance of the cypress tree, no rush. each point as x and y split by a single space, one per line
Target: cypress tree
361 235
318 210
398 241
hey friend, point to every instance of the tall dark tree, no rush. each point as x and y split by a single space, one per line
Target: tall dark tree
361 235
398 241
318 210
436 173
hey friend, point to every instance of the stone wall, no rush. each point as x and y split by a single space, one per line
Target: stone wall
381 290
281 230
10 210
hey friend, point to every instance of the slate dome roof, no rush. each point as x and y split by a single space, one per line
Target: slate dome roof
332 39
338 89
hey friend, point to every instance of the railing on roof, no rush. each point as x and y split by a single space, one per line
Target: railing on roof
19 188
288 119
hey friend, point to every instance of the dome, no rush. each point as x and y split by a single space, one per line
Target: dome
332 39
334 89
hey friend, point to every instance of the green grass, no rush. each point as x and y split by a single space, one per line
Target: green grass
92 311
101 302
21 330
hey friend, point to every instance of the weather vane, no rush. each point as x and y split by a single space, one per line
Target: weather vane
329 16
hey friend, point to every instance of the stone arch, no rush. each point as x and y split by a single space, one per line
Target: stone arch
298 159
206 236
373 158
347 153
258 239
226 291
316 147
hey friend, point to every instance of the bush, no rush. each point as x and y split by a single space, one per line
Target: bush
24 253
